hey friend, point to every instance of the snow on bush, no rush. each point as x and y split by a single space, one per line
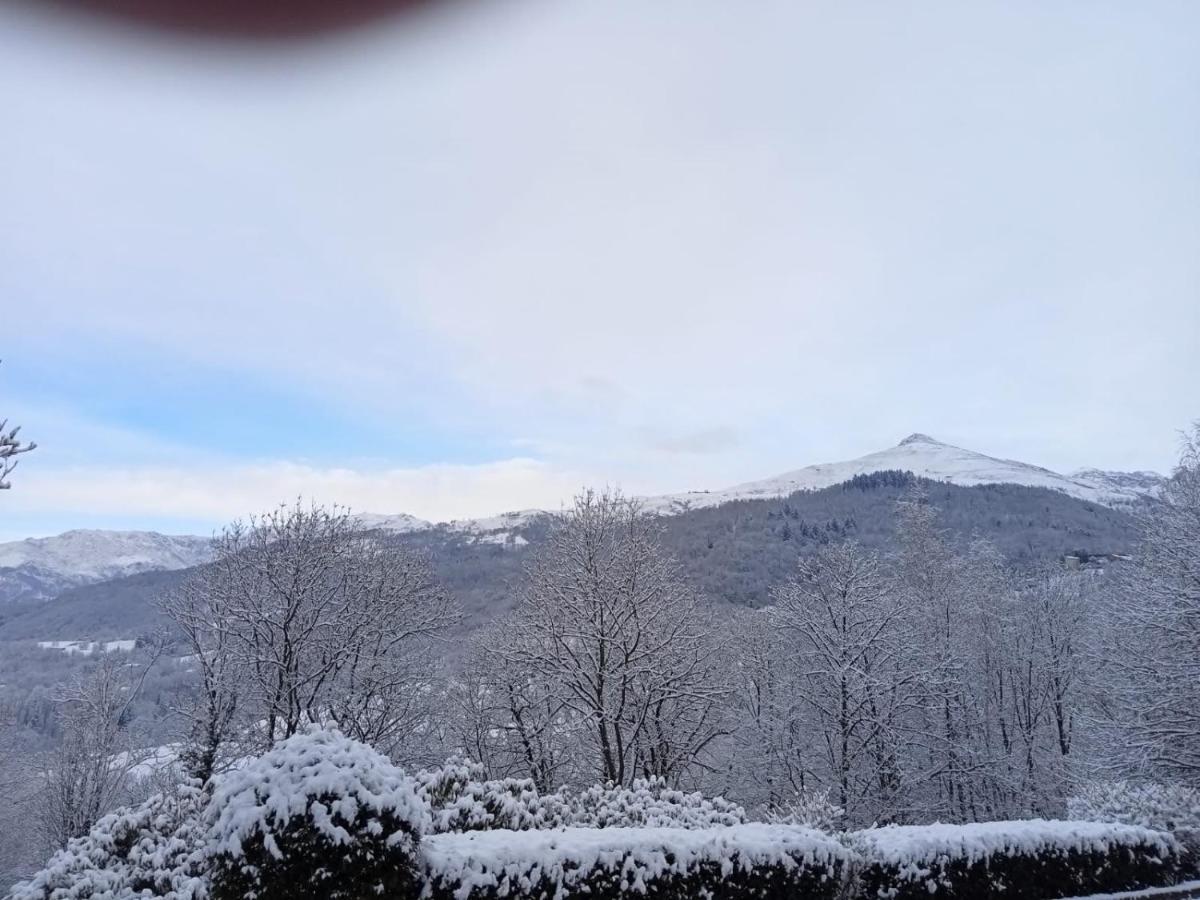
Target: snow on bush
755 860
651 804
1164 807
318 816
152 850
813 809
462 799
1014 860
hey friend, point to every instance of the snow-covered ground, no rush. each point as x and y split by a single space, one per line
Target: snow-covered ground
149 762
87 648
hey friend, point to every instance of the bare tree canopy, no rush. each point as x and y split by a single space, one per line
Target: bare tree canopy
304 617
11 446
850 640
86 775
1154 642
614 647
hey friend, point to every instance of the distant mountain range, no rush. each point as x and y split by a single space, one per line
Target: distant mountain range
42 568
925 457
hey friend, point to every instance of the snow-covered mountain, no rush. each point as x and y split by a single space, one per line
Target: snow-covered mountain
400 523
928 458
39 568
42 567
1121 484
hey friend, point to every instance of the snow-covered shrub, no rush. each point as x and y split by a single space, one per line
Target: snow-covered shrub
1163 807
1024 860
462 799
509 803
744 861
318 816
651 804
440 785
152 850
813 809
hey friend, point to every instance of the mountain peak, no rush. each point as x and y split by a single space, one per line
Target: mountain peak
925 457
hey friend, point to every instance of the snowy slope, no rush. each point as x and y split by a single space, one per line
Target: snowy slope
107 553
927 458
399 523
38 568
1121 484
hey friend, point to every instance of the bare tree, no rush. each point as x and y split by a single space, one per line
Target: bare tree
20 847
87 774
304 617
11 446
854 677
930 575
211 711
1001 693
606 618
1154 645
509 716
774 752
1043 669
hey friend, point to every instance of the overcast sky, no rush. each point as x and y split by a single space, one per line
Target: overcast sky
466 264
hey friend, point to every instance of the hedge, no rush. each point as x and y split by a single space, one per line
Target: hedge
1023 860
768 862
323 817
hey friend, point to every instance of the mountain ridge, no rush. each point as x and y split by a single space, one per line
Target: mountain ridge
40 568
927 457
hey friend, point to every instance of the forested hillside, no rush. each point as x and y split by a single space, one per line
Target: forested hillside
735 553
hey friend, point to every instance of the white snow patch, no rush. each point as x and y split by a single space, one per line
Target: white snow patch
400 523
148 762
87 648
503 522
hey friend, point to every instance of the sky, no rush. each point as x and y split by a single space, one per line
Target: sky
473 261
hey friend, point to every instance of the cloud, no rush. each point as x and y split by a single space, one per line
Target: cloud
708 440
742 239
220 492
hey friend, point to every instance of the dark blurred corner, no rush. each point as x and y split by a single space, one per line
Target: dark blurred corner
245 18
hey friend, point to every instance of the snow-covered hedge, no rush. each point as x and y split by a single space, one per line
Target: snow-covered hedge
461 798
318 816
1164 807
1025 860
744 861
651 804
150 850
323 816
